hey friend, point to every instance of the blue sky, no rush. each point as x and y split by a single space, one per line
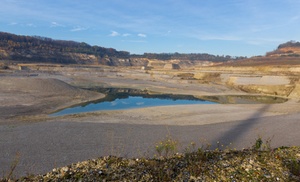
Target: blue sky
220 27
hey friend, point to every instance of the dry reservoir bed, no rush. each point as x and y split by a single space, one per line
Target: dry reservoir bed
44 143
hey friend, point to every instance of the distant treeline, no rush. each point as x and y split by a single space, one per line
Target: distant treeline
12 42
191 56
291 43
43 49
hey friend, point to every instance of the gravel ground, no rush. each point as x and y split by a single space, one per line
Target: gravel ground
43 144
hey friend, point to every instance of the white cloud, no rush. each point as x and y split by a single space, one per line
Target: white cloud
22 24
30 25
217 37
55 24
226 38
295 18
140 103
126 34
114 34
13 23
113 103
142 35
137 41
264 41
78 28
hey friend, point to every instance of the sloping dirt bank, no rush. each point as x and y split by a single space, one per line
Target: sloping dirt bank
24 96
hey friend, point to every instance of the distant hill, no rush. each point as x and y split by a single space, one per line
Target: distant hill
288 49
41 49
287 54
36 49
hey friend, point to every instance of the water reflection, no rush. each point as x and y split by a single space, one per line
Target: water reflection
120 99
124 98
245 99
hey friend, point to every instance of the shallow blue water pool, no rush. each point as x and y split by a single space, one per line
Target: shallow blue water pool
129 102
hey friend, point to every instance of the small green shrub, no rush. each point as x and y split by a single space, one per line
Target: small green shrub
258 144
166 147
